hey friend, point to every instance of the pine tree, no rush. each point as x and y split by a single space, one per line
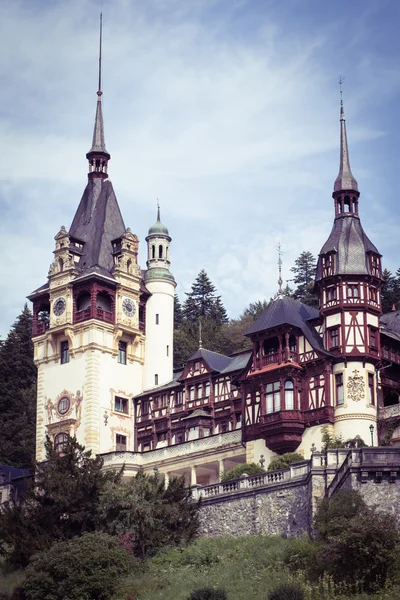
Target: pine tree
203 302
304 276
178 313
390 290
18 394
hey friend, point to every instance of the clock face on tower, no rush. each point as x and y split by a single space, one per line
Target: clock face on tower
129 306
59 306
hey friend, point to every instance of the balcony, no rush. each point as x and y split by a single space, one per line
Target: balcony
318 416
390 354
39 328
282 430
275 358
389 412
99 314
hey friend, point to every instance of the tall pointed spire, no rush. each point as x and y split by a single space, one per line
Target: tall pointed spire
345 179
280 280
98 156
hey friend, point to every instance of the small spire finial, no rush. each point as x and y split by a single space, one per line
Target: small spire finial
341 79
158 211
99 92
200 340
280 280
345 179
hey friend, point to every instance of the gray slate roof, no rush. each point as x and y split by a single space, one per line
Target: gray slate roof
351 245
97 222
216 362
390 324
287 311
238 362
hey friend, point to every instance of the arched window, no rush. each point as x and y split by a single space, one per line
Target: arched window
104 302
83 301
153 251
160 251
289 395
60 265
129 266
60 442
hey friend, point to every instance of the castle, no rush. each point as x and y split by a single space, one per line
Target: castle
103 343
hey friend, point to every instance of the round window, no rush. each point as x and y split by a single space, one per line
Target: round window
63 405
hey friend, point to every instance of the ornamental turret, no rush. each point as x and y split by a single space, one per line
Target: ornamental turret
348 282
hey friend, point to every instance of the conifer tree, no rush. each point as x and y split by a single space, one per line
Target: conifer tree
18 394
203 302
390 290
304 270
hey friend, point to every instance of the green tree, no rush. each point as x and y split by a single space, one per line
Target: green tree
390 290
284 461
85 568
242 468
304 270
203 302
178 314
360 544
147 516
18 394
62 503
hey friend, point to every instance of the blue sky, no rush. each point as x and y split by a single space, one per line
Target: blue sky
225 110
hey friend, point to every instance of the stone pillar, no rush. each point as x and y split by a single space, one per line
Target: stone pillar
166 480
221 468
193 476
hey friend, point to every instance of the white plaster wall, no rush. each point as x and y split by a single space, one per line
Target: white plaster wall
255 449
311 435
99 377
158 337
355 417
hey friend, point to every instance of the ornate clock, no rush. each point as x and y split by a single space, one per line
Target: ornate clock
129 306
59 306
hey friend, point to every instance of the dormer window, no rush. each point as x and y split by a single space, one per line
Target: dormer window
375 265
328 265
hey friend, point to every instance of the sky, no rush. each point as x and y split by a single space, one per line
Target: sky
227 111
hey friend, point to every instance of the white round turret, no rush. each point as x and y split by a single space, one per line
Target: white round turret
159 308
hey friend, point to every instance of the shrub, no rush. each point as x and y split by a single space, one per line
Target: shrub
284 461
334 513
359 544
287 591
208 594
86 567
363 551
239 470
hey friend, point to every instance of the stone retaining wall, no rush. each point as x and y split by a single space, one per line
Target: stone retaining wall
287 508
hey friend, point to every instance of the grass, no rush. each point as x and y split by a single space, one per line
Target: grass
247 568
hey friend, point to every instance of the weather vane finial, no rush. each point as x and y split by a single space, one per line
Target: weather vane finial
101 35
200 340
280 281
341 79
158 210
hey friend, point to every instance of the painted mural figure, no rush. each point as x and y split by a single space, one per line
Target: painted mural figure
49 407
78 406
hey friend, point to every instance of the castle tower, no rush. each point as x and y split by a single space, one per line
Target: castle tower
88 338
348 281
161 284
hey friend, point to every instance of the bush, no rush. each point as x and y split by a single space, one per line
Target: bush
239 470
86 567
208 594
284 461
334 513
287 591
359 544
